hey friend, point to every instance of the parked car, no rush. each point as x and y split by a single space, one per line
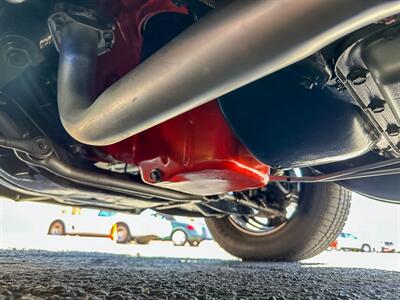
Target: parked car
184 231
349 242
188 231
120 227
387 247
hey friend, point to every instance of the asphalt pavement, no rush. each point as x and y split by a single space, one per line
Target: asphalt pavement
35 274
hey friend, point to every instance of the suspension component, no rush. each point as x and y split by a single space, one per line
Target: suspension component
39 148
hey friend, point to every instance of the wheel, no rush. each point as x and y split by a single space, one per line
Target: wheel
122 234
179 238
366 248
57 228
319 217
194 243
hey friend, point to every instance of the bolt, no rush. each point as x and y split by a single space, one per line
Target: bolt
340 87
40 148
377 105
357 76
42 144
156 175
393 130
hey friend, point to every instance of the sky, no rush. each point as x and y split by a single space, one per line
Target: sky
373 220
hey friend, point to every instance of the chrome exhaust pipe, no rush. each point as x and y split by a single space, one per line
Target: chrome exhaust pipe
229 48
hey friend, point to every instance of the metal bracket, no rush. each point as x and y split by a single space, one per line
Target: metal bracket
369 71
83 16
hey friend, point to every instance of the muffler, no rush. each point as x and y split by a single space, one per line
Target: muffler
229 48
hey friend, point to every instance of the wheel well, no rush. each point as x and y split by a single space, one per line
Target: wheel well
56 221
179 229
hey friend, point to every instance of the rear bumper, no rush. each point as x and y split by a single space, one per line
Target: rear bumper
388 250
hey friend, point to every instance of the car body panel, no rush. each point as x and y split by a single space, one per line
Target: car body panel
348 241
100 222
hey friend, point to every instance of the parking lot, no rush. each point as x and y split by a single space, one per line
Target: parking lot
34 265
205 272
206 250
61 266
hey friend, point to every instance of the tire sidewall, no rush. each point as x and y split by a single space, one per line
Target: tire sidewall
128 233
284 243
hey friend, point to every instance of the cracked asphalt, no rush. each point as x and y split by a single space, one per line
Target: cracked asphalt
37 274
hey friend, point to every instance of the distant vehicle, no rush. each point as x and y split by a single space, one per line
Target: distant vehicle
121 227
387 247
193 233
186 231
333 246
349 242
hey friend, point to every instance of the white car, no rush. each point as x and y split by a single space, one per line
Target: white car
348 241
387 247
120 227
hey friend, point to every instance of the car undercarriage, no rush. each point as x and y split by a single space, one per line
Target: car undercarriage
258 115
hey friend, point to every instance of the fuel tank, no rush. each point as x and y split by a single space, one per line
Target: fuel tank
297 117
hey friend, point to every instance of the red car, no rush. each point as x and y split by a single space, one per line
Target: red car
261 116
333 245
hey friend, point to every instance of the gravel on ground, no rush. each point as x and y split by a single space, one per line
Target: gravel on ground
77 275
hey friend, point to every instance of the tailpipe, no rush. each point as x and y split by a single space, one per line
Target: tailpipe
229 48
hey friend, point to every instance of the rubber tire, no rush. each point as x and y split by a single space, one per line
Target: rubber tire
54 223
186 238
320 217
128 237
366 248
194 243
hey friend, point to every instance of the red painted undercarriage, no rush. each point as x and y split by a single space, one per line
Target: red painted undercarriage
196 152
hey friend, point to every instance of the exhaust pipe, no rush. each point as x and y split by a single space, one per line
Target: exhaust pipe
229 48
